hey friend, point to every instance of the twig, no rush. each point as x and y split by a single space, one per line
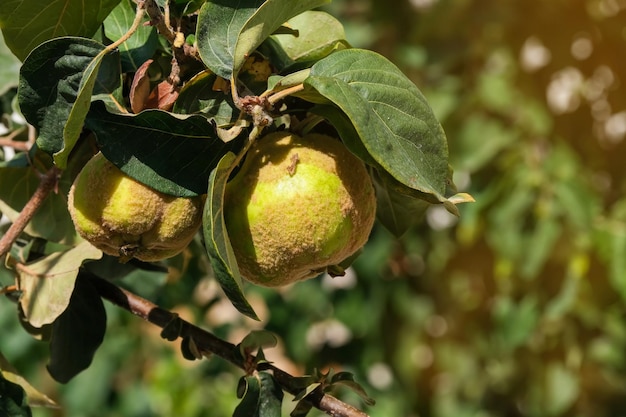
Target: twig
46 185
158 20
18 145
138 16
207 342
276 97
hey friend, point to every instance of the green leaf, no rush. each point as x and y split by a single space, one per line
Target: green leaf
52 221
34 397
47 284
261 396
277 83
255 340
249 391
301 409
307 391
173 329
9 68
393 120
219 25
347 379
229 32
217 241
141 46
12 399
56 83
77 333
171 153
265 21
198 96
189 349
317 35
28 23
396 210
271 396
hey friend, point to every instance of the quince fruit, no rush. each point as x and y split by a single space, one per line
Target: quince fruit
298 206
125 218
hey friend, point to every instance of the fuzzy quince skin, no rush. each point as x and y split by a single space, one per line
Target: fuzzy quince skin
297 206
125 218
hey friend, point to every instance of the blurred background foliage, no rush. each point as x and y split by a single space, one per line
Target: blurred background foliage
515 309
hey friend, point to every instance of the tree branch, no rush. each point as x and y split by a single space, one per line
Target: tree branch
209 343
46 185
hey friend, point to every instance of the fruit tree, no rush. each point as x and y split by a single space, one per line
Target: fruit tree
245 142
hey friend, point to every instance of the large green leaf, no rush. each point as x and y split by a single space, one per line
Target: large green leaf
393 120
173 154
141 46
47 283
228 32
56 84
28 23
77 333
217 241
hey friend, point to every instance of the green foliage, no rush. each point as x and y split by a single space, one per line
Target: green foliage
514 308
235 71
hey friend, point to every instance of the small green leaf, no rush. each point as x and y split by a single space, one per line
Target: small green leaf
189 349
77 333
255 340
217 241
393 120
307 391
171 153
249 390
28 23
301 409
34 397
48 283
347 379
277 83
173 329
13 401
